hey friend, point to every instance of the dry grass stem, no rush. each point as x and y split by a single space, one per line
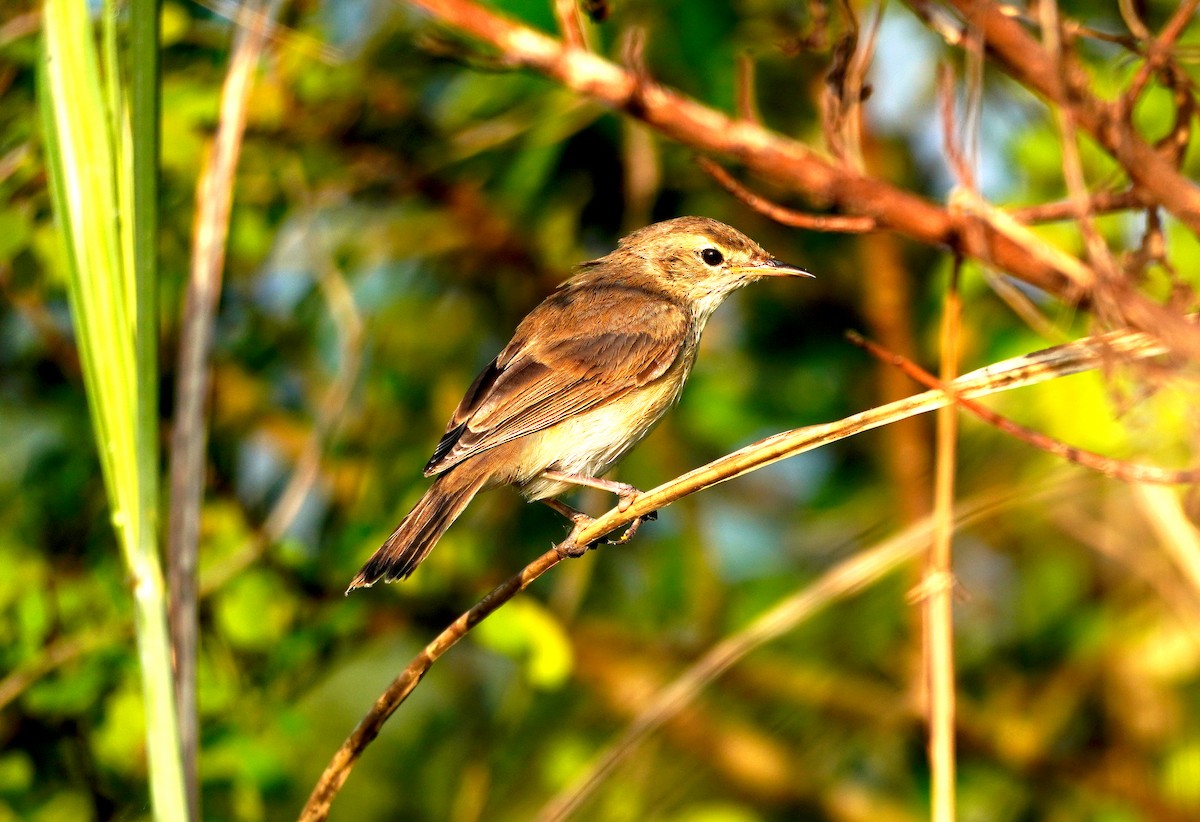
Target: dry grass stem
1101 202
938 581
845 579
214 198
566 13
1023 306
1021 371
1110 467
1178 535
1158 50
747 101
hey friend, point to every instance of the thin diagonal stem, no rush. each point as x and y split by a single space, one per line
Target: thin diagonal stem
1067 359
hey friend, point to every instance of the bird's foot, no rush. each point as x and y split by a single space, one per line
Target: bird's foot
571 548
626 494
631 530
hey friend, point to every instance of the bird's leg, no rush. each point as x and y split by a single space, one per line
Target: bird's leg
569 547
625 492
582 520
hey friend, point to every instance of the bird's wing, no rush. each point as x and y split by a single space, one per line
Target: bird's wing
573 352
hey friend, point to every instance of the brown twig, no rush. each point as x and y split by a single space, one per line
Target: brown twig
1098 251
20 25
1100 202
1174 144
764 152
1023 306
339 767
747 101
14 159
1158 50
1016 52
1063 83
642 172
1178 535
1021 371
838 99
964 161
566 12
1110 467
797 167
785 216
846 88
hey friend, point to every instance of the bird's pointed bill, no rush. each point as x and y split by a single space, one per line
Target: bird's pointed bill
773 268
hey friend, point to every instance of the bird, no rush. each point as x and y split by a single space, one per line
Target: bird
588 373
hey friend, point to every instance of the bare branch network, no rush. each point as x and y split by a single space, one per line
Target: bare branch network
978 233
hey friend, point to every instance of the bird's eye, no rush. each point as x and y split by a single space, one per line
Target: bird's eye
711 256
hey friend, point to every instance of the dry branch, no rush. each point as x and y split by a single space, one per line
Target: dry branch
214 200
1110 467
828 184
765 152
1018 53
1030 369
781 215
843 580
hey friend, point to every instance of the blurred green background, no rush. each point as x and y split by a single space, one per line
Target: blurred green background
388 160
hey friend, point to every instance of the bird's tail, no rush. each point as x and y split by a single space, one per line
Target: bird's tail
418 532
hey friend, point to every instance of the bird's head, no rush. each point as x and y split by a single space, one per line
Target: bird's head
700 261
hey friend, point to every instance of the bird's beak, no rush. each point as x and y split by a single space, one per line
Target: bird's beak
772 267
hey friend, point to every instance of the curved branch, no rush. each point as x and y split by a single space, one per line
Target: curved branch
765 152
792 164
1082 355
781 215
845 579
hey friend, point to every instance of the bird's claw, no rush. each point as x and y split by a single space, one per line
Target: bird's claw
570 548
631 530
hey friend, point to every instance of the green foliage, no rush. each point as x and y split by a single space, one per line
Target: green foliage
448 197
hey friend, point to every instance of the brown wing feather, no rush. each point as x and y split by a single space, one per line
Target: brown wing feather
567 356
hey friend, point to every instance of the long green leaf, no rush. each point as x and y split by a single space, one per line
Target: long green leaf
105 208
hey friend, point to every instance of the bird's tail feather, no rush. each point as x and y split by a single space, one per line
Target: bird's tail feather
418 532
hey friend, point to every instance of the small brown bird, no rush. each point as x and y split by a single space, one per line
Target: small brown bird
586 376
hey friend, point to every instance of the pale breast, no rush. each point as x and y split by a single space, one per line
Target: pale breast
590 443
